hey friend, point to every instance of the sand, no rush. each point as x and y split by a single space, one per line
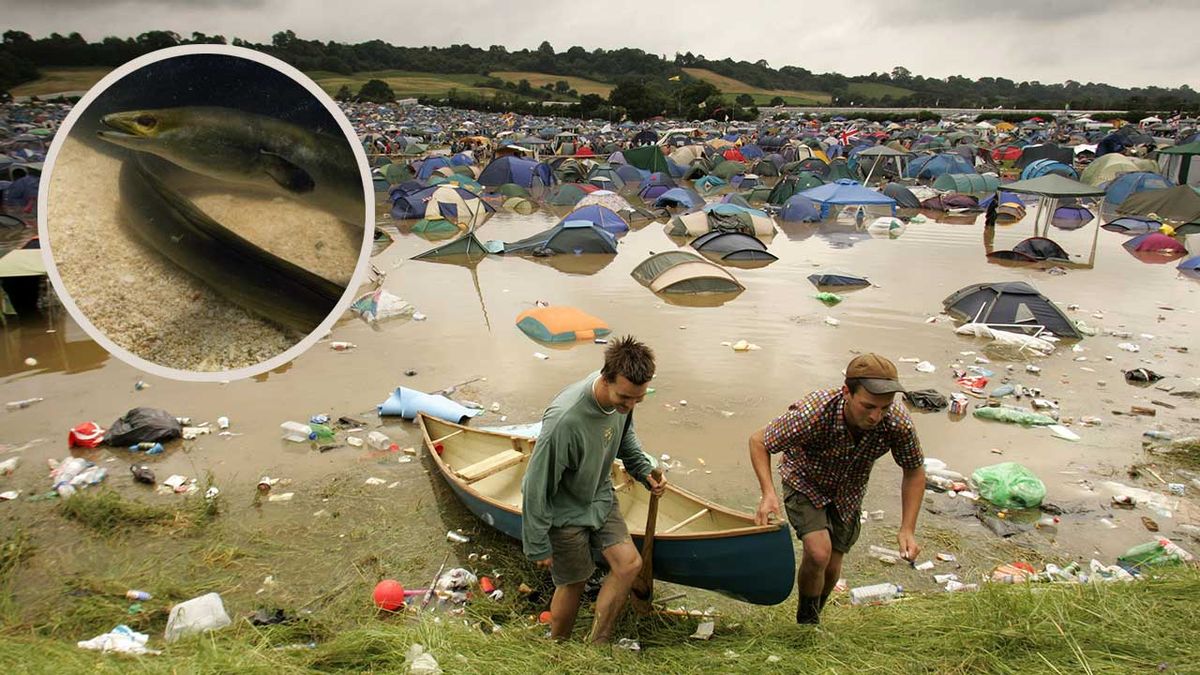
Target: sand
143 302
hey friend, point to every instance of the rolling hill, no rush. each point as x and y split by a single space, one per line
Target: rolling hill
579 84
761 96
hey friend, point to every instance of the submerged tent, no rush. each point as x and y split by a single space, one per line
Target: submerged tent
1013 304
1033 249
1132 225
1154 241
789 186
1042 167
559 323
733 246
599 216
654 185
1179 203
831 278
800 209
967 183
904 197
571 237
846 192
721 217
683 272
929 167
466 248
511 169
1120 188
676 197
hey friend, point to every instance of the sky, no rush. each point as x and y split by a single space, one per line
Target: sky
1128 43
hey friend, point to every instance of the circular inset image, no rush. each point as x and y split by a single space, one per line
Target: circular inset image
206 213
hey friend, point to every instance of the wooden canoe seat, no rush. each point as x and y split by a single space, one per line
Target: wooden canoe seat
490 466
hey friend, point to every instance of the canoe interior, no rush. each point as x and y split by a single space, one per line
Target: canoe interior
680 514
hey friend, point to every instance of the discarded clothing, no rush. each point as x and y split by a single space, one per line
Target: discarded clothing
926 399
1141 375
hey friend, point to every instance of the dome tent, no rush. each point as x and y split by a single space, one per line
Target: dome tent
732 246
683 272
1012 304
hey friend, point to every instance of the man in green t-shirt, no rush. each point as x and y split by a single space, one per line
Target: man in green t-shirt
569 505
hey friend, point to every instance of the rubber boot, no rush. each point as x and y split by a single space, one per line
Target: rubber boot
809 609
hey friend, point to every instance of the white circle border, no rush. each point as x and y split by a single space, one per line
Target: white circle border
290 354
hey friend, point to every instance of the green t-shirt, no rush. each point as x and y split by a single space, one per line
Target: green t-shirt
569 479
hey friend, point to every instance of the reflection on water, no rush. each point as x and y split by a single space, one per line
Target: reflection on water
53 339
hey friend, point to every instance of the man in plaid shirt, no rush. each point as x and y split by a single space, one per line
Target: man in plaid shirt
829 441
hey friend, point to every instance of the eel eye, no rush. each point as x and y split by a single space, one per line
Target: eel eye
146 121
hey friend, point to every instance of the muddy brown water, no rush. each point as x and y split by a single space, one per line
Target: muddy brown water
470 333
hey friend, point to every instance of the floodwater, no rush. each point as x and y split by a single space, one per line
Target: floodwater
470 333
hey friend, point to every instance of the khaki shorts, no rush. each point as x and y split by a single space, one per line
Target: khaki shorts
806 518
572 547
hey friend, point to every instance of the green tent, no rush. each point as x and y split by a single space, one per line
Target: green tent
397 173
728 169
1179 203
465 247
791 185
1184 153
437 228
513 190
647 158
566 194
967 183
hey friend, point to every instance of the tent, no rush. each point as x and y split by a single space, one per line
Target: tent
831 278
1070 216
1042 167
967 183
1120 188
733 246
559 323
1106 168
679 197
1183 156
1132 225
881 153
510 169
648 157
1154 241
568 194
800 209
608 199
655 185
1051 188
722 217
904 197
1192 264
846 192
1033 249
571 236
793 185
683 272
1009 304
600 217
1180 203
929 167
1043 151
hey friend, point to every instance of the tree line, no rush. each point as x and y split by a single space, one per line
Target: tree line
21 55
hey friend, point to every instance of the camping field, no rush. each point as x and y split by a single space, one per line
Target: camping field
61 79
761 96
579 84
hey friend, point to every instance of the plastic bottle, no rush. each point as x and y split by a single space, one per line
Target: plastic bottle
379 441
865 595
1048 524
297 432
23 403
66 472
322 431
138 596
1158 435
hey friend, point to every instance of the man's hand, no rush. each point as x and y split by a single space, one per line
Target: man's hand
545 564
908 546
657 487
767 506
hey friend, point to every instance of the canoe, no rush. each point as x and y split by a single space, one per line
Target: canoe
697 543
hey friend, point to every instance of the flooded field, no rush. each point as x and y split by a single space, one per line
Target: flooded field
469 336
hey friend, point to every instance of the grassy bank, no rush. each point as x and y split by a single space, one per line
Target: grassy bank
1122 628
64 569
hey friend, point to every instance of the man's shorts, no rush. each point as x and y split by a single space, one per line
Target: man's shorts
806 518
572 547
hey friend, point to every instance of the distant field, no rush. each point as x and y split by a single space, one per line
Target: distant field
56 80
761 96
406 84
579 84
877 90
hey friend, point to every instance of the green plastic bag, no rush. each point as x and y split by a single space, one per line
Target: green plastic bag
830 299
1003 413
1009 486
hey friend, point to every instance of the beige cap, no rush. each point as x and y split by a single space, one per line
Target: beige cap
878 374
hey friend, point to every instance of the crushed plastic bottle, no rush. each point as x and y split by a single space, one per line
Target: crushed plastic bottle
297 432
23 403
876 593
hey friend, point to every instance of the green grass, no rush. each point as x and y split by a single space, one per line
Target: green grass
106 512
405 83
579 84
876 90
61 79
728 85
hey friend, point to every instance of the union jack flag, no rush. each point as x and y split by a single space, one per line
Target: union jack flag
848 135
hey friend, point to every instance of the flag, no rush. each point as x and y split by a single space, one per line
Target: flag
674 79
848 135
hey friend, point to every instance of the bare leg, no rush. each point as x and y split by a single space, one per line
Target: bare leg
624 564
812 576
564 607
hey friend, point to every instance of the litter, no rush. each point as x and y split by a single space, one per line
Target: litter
9 495
375 481
926 367
282 497
704 631
420 661
539 355
197 615
830 321
122 639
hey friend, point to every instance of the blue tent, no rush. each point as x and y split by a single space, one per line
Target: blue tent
515 170
1119 188
655 185
570 237
430 165
835 278
1192 264
462 159
1005 198
846 192
414 204
1041 167
929 167
631 174
599 216
798 209
679 197
1132 225
751 151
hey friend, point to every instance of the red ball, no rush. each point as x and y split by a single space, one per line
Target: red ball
389 595
544 617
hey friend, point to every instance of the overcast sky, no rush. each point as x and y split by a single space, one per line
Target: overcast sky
1127 43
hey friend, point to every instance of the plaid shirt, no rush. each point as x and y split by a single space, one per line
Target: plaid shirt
821 459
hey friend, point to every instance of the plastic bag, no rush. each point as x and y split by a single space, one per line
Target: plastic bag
143 425
1009 485
1013 416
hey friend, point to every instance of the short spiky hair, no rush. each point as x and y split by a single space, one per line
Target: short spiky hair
626 356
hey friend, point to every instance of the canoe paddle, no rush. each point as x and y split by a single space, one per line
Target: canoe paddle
643 585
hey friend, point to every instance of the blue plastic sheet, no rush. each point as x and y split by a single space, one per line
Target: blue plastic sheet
407 403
